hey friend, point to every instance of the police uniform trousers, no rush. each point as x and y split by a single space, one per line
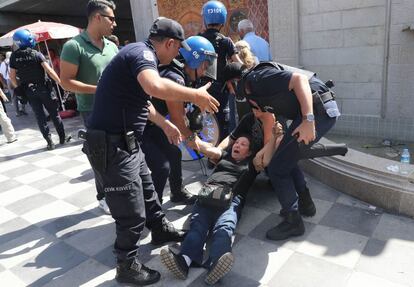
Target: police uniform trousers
39 96
163 159
223 115
285 175
130 196
100 194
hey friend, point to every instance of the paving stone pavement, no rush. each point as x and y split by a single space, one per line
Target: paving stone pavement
53 234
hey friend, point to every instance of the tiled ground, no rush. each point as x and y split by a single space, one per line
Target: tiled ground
52 234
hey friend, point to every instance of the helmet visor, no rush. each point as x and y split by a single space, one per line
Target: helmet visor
211 59
185 45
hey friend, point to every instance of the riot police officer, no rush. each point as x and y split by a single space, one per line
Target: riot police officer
300 96
30 66
163 158
214 15
114 136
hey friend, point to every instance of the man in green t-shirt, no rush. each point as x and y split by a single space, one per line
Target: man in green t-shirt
84 58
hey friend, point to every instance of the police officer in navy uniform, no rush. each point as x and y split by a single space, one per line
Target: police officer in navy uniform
300 96
162 157
115 128
30 66
214 15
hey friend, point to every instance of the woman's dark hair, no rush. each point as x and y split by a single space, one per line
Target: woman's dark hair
99 5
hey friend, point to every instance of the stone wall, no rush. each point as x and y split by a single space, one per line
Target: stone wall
365 46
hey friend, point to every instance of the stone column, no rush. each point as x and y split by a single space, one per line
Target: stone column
284 31
144 12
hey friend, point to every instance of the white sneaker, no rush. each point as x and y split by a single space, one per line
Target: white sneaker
102 205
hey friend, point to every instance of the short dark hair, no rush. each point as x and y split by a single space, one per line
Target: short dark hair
158 38
99 5
252 147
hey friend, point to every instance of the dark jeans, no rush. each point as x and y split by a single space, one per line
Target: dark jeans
100 194
283 170
163 159
130 196
39 96
204 220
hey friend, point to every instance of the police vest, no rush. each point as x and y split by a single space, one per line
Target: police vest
216 39
29 70
290 106
175 67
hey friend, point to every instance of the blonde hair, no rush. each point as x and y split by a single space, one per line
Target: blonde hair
245 53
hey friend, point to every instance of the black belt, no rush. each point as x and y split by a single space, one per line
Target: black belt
120 139
36 84
115 138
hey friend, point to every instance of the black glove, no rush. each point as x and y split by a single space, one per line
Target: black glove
195 119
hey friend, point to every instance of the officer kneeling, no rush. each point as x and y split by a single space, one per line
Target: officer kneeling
297 95
120 112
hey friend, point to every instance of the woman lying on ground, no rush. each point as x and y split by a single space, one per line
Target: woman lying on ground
234 169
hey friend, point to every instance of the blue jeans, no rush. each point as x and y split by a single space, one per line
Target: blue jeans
285 175
204 220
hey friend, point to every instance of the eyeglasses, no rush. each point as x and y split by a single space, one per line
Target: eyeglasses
111 18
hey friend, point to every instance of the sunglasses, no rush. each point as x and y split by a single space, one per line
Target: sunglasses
111 18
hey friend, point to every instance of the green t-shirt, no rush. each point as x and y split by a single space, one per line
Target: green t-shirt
91 62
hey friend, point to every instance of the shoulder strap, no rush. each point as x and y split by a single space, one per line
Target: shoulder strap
175 66
282 67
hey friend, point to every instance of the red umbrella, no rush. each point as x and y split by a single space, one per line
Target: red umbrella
44 31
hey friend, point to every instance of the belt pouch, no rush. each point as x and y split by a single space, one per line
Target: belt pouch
97 147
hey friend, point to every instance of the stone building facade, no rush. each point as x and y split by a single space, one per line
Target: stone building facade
365 46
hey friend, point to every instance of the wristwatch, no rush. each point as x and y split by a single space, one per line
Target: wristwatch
309 117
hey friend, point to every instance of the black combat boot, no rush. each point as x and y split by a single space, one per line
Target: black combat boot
306 206
64 139
292 225
50 144
165 232
175 263
134 272
182 195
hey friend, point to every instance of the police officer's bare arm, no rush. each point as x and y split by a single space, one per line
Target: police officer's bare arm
264 156
12 75
171 131
300 85
164 89
68 72
177 117
51 72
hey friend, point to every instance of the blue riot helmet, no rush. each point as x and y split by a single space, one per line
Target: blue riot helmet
214 12
200 50
23 39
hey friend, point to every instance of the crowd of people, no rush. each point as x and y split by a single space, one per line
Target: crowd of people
132 102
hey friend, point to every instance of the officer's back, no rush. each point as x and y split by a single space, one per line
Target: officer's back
119 97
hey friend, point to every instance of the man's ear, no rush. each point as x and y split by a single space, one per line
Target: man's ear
169 43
